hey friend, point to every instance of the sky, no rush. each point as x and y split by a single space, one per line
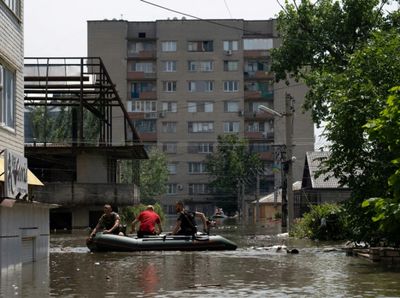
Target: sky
58 28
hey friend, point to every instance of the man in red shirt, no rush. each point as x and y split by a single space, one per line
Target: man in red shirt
148 220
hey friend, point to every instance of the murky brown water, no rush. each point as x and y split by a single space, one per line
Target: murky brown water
252 270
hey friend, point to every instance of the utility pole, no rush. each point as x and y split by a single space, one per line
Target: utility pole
289 110
258 199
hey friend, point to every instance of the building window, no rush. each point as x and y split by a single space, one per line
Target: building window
231 126
169 106
169 66
231 45
203 66
200 86
138 88
201 147
231 65
198 106
146 106
196 127
7 97
171 188
169 86
231 106
231 86
257 44
135 47
143 126
199 188
168 127
146 67
170 148
197 167
201 46
256 126
168 46
14 5
172 168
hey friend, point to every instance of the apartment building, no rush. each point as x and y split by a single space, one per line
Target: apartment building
24 228
184 82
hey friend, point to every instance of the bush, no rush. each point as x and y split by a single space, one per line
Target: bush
322 222
128 214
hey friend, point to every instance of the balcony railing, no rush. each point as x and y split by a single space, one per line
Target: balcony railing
143 54
265 95
141 75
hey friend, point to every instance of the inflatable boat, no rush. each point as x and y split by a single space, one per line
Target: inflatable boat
199 242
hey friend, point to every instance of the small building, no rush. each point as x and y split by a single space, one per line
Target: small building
271 205
318 188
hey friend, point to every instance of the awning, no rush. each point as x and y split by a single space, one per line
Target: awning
32 179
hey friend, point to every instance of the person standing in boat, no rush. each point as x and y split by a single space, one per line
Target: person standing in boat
109 222
186 223
148 220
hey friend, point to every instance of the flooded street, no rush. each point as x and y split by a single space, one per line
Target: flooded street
253 270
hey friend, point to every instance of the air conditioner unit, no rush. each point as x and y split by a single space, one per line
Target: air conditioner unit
228 52
179 187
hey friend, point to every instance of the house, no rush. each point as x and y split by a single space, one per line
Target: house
318 189
271 205
24 222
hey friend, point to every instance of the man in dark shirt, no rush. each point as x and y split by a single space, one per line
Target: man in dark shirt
109 222
186 223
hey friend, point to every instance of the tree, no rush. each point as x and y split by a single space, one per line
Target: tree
153 175
349 61
231 165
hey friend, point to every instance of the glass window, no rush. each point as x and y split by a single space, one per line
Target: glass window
172 168
231 86
169 86
231 106
231 45
200 147
168 46
257 44
7 97
169 106
201 46
197 167
170 147
14 5
207 107
196 127
200 86
231 65
169 66
171 188
199 188
231 126
203 66
168 127
145 125
146 67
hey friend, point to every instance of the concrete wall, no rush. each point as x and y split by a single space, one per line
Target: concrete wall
91 168
23 221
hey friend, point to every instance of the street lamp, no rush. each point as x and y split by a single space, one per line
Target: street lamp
288 114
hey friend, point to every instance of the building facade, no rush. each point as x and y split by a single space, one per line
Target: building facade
24 228
184 82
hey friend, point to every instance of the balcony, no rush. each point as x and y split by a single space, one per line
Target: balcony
258 75
148 136
266 156
257 95
140 75
150 54
259 135
83 194
255 53
257 116
144 95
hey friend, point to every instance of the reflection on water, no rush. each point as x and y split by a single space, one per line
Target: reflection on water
255 269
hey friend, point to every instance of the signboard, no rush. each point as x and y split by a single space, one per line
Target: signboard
15 175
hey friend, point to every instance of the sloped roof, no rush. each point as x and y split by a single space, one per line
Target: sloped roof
313 163
270 198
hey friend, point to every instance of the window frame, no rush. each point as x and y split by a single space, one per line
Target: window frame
8 97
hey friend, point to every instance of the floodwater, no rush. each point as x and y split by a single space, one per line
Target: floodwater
255 269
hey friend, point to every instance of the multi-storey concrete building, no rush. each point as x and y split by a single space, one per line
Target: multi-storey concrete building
24 228
185 82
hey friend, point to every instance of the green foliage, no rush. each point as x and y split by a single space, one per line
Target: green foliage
231 163
322 222
128 214
349 61
153 175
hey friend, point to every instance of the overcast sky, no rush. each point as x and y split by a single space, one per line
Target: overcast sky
59 27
